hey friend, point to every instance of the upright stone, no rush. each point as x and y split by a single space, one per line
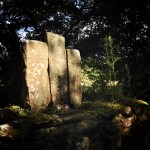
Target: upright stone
35 79
58 67
74 77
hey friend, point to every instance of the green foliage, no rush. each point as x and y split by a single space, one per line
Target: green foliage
92 77
139 102
82 23
100 74
110 58
16 112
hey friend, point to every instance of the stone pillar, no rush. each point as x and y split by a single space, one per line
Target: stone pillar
74 77
58 67
35 75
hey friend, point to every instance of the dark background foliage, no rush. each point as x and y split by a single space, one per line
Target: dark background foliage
84 24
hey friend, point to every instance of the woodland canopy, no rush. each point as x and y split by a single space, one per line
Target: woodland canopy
106 32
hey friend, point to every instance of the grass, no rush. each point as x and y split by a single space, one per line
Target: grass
88 107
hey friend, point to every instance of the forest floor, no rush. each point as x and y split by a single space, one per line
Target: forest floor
96 125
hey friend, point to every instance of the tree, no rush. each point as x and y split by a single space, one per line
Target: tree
83 23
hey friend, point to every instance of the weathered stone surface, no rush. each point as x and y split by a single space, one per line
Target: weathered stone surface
58 67
35 76
74 77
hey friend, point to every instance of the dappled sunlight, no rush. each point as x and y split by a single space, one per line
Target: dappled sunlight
54 99
103 120
140 102
102 105
115 106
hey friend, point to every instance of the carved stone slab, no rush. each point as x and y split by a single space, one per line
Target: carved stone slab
36 81
74 76
57 67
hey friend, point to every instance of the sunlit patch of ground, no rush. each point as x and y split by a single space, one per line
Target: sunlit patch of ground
103 106
87 107
100 117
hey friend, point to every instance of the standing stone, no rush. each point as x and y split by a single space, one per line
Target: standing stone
35 75
58 67
74 77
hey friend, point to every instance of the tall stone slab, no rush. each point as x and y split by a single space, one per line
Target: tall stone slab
57 67
35 75
74 77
